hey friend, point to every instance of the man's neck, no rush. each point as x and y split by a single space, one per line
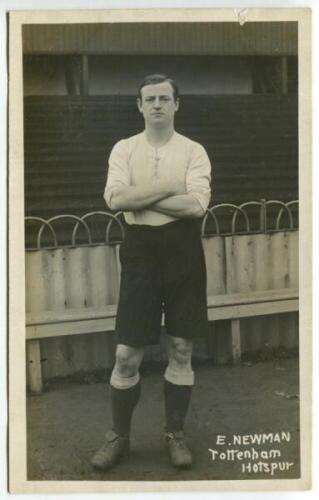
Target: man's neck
158 136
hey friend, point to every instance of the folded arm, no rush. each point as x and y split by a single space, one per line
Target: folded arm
180 206
119 193
180 199
138 197
194 202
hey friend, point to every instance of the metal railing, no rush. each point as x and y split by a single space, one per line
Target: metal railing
263 205
283 218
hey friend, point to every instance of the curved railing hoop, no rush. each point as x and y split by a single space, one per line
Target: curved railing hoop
281 211
212 210
241 207
108 228
236 208
73 217
283 206
208 213
44 223
97 212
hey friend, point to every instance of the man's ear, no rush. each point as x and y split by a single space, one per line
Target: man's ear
139 104
177 104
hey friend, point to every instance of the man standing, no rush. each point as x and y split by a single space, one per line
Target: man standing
161 180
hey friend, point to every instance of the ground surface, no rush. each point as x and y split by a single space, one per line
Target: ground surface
66 425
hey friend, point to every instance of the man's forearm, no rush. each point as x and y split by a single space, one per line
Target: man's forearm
140 197
180 206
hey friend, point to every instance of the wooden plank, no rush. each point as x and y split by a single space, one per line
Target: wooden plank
214 250
72 328
293 255
261 259
222 308
76 275
248 310
279 261
103 275
34 366
106 324
252 297
36 281
236 344
69 315
56 280
238 268
112 273
101 268
118 265
98 293
278 278
239 264
253 329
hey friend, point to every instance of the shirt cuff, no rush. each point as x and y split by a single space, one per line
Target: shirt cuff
202 199
108 193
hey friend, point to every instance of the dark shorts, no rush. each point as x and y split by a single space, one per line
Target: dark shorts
163 270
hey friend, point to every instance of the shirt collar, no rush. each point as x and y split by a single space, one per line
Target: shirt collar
160 151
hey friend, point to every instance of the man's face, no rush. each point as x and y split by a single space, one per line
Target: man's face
158 105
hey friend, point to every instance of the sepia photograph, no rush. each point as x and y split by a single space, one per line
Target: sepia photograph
159 181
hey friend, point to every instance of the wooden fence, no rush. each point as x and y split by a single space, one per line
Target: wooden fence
86 277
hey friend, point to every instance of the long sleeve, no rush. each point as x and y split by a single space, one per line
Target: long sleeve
198 176
118 173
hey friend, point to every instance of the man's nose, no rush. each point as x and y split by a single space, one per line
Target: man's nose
157 102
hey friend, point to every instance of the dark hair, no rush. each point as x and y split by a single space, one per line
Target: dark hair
158 78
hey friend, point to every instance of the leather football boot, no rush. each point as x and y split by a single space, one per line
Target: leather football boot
115 448
179 453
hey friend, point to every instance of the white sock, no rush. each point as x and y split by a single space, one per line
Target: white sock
120 382
179 377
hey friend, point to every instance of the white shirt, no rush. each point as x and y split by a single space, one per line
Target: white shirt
134 161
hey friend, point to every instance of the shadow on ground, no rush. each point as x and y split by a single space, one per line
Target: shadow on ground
67 423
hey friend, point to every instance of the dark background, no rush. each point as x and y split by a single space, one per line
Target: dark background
238 98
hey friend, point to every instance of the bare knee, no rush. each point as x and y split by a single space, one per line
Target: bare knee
127 360
180 353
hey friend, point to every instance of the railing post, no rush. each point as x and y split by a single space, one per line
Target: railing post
34 366
263 216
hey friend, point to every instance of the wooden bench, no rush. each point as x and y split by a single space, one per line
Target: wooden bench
67 289
92 320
